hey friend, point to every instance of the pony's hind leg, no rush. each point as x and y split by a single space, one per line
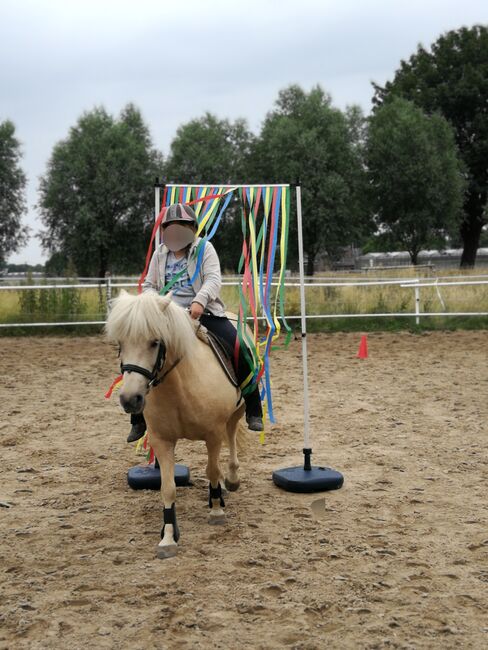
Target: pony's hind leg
165 453
232 482
215 499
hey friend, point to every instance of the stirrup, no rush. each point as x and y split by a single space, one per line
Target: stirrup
137 431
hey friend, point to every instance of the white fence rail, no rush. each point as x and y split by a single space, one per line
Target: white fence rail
415 284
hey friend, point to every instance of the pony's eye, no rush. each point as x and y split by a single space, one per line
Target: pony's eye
154 344
119 350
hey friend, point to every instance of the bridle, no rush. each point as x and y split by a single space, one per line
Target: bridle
151 375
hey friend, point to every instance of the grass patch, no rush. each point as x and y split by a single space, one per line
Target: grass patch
71 305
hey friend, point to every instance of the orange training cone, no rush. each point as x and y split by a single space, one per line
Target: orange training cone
363 348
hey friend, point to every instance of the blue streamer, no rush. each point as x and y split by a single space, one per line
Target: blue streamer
265 390
268 310
209 236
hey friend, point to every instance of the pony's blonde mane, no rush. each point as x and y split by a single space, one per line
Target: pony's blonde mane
150 317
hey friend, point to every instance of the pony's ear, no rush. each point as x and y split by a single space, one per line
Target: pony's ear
123 293
164 301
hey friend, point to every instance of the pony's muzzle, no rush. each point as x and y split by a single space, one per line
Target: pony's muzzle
132 404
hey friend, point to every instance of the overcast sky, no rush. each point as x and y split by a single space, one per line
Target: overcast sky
175 60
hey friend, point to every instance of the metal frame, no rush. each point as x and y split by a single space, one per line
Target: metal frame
307 449
224 185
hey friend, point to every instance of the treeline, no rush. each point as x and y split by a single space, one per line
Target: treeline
412 175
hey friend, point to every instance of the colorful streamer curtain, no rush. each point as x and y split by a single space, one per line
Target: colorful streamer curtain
265 212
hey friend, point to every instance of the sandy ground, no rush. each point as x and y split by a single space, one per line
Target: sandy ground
396 559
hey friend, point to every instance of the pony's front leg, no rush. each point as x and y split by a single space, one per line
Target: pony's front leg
214 475
170 534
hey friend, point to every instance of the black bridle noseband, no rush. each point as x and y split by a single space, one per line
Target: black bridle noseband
151 375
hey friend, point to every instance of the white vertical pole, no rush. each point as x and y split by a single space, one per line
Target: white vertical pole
306 419
108 292
417 304
157 209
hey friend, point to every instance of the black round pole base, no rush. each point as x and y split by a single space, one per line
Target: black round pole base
315 479
148 477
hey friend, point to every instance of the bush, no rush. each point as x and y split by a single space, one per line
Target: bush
50 305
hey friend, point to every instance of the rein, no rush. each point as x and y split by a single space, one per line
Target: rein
152 375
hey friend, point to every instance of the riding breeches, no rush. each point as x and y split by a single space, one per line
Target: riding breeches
223 328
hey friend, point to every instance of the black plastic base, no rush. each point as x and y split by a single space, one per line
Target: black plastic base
316 479
148 477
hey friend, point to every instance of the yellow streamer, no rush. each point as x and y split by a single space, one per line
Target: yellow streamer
198 206
262 435
208 215
282 261
257 256
140 443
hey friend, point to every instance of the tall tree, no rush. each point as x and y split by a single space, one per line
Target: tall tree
96 195
452 78
416 184
12 193
306 138
208 150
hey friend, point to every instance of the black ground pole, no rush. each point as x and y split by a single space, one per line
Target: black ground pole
148 477
308 478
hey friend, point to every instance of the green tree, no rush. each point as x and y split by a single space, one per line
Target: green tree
12 193
452 78
484 238
96 196
209 150
56 264
416 185
305 138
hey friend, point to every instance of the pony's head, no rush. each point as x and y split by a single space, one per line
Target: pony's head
151 330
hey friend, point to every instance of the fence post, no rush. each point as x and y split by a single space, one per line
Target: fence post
417 305
108 292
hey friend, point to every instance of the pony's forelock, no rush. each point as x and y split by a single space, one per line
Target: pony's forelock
150 317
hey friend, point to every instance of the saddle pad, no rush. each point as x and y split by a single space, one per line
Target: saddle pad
224 356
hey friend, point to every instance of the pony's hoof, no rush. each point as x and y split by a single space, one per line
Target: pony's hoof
217 518
168 550
232 486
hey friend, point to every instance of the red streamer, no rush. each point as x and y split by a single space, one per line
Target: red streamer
117 380
157 224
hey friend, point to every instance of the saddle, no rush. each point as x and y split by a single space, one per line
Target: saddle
222 351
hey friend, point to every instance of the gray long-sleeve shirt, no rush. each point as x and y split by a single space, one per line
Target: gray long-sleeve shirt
207 283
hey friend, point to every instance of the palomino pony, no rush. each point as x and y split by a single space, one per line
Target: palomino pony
174 377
